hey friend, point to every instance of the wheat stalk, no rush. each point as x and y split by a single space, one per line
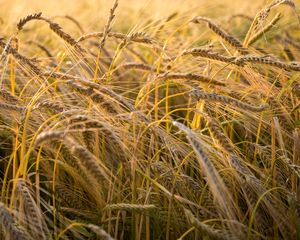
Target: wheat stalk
68 196
96 96
87 160
72 19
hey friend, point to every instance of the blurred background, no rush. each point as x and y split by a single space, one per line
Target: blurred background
93 13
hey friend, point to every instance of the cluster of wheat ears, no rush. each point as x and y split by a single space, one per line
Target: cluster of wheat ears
180 132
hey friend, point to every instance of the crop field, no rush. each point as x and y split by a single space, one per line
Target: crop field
148 119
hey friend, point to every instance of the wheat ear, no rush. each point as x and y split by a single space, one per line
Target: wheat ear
37 70
137 66
87 160
12 229
55 27
226 100
216 184
207 230
100 232
28 18
35 220
290 66
190 76
222 33
265 29
130 207
276 3
8 96
207 53
65 36
107 28
139 37
13 107
54 106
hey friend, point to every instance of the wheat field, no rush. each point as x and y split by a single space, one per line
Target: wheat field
147 119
